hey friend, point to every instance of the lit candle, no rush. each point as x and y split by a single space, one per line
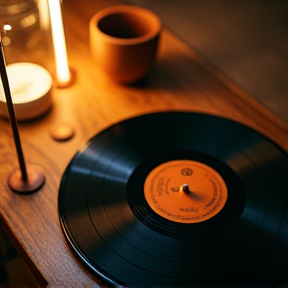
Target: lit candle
30 86
59 44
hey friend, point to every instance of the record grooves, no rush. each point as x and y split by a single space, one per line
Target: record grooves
123 213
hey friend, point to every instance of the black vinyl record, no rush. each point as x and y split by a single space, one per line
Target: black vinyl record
127 237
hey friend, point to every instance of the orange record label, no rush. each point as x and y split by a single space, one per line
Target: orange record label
185 191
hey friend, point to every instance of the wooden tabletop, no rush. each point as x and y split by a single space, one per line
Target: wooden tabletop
179 80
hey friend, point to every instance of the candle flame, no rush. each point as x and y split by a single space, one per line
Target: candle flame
7 27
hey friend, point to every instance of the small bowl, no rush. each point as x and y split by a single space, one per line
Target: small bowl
124 41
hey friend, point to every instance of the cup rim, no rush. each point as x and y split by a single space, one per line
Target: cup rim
126 8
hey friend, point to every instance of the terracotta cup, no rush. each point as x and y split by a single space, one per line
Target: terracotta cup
124 41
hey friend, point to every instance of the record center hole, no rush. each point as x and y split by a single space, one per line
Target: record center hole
185 188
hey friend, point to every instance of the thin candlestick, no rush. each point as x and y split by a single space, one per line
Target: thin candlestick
60 51
11 112
28 178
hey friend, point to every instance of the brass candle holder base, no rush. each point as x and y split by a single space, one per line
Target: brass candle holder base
35 180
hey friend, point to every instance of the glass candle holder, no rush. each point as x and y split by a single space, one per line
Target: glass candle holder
28 54
28 36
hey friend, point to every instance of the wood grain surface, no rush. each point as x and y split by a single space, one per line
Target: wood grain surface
180 80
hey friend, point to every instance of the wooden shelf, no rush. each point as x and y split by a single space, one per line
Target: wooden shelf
179 80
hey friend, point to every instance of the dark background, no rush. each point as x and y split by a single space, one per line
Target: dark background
247 40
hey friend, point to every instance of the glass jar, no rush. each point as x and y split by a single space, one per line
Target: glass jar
28 36
27 46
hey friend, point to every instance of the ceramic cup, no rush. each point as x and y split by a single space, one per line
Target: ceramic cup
124 41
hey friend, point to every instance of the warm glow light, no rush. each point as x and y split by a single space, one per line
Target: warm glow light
59 44
7 27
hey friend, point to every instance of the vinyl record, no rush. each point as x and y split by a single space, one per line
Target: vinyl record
179 199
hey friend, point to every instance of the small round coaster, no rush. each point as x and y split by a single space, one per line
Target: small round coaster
62 132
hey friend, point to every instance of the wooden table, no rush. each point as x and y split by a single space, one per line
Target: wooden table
180 80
